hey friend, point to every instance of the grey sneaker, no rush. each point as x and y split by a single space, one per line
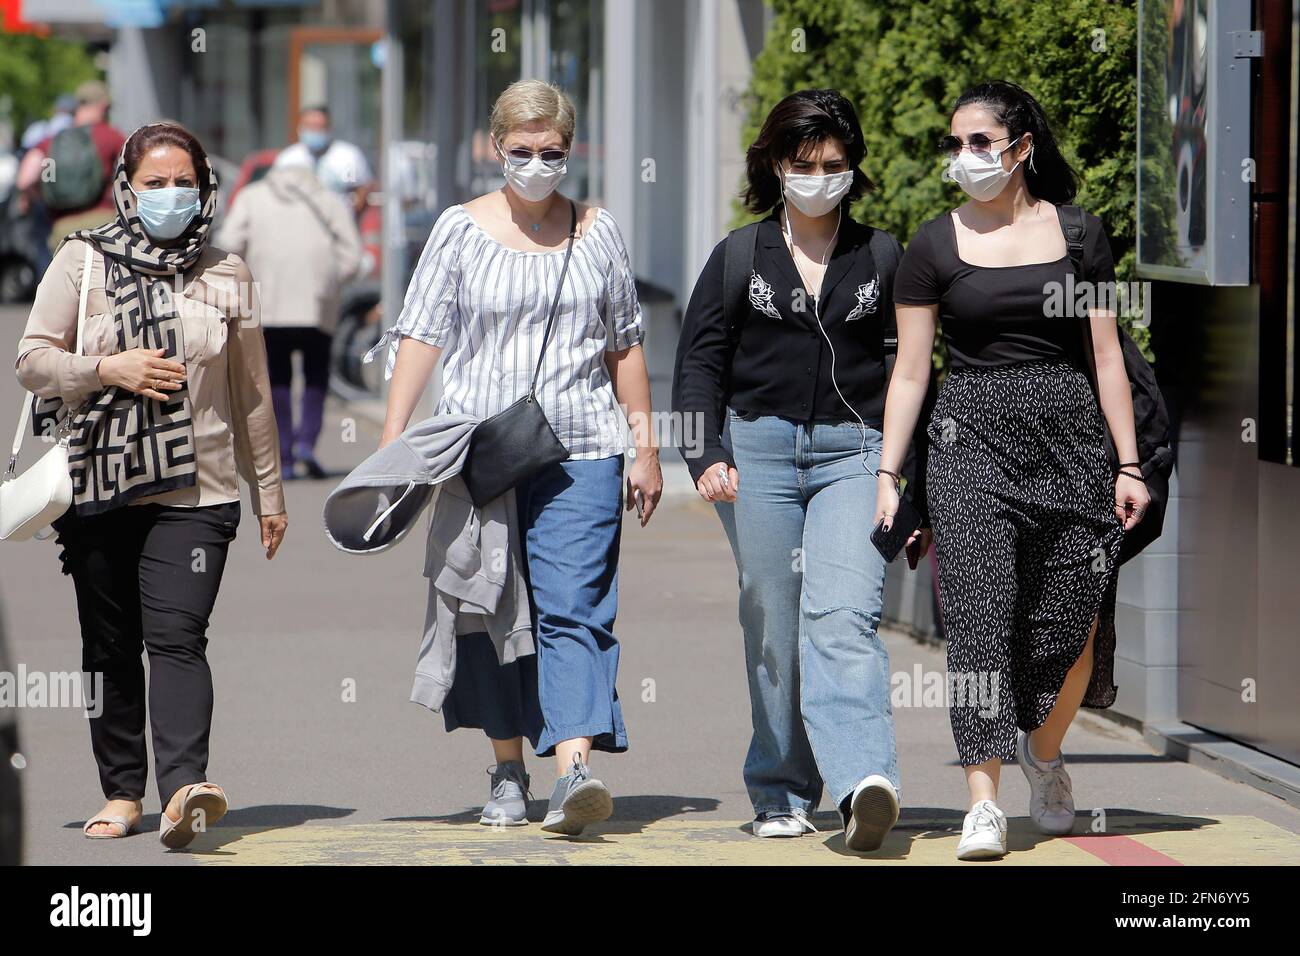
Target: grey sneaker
579 799
509 804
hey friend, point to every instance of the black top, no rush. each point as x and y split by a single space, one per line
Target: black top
782 365
997 315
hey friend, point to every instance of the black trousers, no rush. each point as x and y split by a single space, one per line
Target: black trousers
298 439
283 341
147 578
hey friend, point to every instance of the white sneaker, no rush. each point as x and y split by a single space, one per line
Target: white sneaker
873 811
1051 803
782 825
983 833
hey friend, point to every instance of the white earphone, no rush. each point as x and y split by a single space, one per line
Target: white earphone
789 232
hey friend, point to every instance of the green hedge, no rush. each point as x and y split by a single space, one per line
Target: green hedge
903 64
34 70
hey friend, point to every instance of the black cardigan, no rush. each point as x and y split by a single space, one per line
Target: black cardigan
780 364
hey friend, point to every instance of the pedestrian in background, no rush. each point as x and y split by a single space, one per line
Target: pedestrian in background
160 437
303 246
1028 517
799 374
340 165
481 294
72 170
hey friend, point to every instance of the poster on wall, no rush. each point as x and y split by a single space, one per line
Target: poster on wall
1194 166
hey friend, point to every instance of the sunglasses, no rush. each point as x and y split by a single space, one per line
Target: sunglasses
518 156
978 143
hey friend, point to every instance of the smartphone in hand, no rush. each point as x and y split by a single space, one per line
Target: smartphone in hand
890 542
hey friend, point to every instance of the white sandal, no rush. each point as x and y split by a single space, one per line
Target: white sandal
205 798
124 827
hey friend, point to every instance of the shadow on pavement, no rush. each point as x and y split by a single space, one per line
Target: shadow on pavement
241 822
934 823
628 811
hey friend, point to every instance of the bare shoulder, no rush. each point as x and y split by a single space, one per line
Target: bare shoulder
587 215
489 208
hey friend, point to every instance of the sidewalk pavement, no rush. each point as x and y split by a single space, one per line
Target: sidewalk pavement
326 760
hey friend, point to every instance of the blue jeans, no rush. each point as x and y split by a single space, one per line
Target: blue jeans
810 602
570 517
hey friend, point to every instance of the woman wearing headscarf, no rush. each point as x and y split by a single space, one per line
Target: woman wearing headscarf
167 400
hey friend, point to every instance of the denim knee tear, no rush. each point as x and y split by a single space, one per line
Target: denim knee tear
871 621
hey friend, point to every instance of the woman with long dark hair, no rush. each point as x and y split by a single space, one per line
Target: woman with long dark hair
799 369
1028 516
169 404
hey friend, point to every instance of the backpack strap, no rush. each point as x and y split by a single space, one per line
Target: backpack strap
737 267
884 251
1075 228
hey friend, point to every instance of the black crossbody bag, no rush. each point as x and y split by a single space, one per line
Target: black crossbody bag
518 441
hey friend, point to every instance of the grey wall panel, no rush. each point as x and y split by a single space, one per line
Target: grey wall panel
1219 513
1279 611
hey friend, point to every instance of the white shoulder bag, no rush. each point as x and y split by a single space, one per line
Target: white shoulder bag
30 501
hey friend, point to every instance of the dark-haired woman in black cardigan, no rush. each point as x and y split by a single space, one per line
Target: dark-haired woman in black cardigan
802 387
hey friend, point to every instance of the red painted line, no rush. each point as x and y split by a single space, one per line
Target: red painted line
1118 850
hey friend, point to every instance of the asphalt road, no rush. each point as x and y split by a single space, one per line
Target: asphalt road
314 776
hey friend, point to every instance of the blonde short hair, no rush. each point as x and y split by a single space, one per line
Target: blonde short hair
532 101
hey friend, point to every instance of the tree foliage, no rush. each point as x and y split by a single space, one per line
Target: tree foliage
903 64
34 70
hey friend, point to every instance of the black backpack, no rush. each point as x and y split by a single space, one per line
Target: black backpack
1150 416
78 179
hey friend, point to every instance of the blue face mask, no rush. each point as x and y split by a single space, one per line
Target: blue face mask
166 212
315 140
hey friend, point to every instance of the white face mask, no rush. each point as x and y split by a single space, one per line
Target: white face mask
980 177
816 195
534 180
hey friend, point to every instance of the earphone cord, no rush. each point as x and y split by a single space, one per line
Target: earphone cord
862 452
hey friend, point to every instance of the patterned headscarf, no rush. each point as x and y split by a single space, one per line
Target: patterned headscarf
124 446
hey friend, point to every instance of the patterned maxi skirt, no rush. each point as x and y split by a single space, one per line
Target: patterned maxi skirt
1022 505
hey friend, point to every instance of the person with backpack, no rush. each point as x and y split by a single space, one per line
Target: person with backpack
1029 514
71 172
786 342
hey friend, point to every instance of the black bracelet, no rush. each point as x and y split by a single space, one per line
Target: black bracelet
884 471
1129 474
1130 464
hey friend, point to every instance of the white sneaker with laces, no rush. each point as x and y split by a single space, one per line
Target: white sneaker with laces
983 833
1051 802
782 825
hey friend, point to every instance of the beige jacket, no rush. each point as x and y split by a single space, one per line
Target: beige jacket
225 361
300 240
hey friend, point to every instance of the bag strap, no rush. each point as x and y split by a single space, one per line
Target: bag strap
885 253
737 267
1075 229
296 193
555 302
25 414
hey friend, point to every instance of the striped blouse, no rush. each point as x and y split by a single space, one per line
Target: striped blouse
485 305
